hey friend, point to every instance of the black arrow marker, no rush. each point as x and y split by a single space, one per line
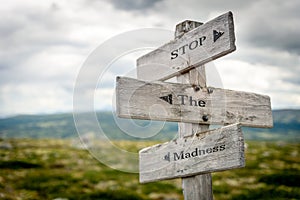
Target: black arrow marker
167 157
167 98
217 35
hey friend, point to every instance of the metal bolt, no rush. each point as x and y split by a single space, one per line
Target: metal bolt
196 88
205 118
210 90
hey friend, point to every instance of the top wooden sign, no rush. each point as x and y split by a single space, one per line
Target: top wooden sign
197 47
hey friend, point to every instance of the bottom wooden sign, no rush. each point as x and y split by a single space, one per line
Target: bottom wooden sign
210 151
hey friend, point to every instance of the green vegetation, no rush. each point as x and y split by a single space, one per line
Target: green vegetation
56 168
271 172
52 169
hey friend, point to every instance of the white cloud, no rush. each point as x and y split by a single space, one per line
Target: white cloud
104 98
44 44
32 99
262 79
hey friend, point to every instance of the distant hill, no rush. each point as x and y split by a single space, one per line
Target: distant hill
63 126
286 127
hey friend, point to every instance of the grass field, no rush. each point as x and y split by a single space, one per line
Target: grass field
55 169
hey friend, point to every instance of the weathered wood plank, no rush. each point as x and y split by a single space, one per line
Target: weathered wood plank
187 103
205 43
215 150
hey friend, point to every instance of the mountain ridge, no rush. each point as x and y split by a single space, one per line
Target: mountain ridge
286 127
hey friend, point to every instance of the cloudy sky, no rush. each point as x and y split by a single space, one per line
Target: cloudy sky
44 45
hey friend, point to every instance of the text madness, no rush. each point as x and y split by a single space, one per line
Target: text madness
195 153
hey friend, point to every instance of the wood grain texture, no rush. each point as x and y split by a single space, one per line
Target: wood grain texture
141 100
193 49
211 151
196 187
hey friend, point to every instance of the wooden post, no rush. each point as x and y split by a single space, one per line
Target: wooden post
195 187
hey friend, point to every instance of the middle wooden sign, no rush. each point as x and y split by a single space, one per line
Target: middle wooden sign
189 103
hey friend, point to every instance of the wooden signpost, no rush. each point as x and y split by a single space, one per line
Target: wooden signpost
197 151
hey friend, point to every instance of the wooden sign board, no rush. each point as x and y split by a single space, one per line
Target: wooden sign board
215 150
186 103
197 47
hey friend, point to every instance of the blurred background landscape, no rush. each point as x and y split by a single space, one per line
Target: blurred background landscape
286 127
43 158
